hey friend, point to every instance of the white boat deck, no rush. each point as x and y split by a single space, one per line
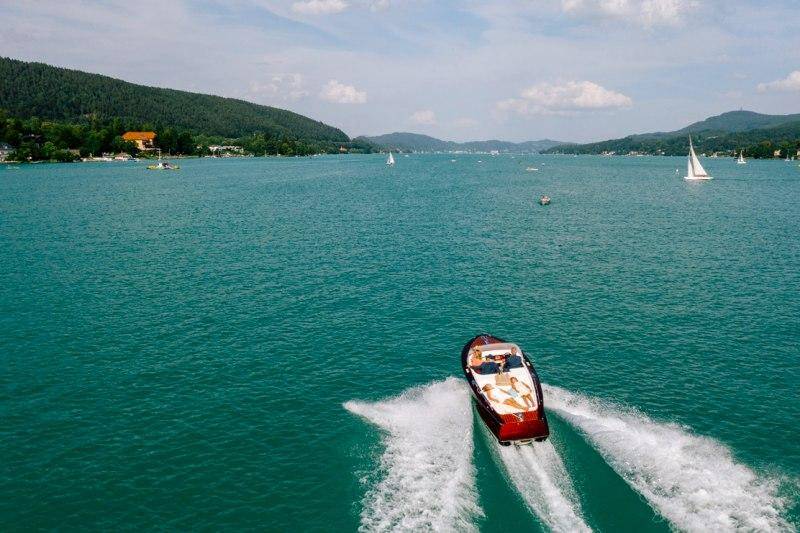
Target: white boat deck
501 388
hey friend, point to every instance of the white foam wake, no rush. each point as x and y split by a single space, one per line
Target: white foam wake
692 481
538 473
427 478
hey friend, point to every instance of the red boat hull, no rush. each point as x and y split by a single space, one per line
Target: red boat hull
530 425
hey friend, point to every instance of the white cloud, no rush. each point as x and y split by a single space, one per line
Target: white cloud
288 87
567 98
789 83
319 7
647 13
423 117
339 93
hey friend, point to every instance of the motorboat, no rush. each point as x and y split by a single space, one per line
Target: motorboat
506 390
531 169
544 200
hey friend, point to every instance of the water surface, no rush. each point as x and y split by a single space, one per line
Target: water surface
178 349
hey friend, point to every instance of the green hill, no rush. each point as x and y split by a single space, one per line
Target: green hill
757 134
51 93
738 121
415 142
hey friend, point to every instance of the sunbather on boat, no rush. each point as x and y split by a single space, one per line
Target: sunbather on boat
522 390
499 396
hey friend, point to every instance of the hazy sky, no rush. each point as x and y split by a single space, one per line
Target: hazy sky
517 70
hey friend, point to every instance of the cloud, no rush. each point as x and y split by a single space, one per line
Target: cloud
319 7
647 13
288 87
339 93
789 83
423 117
567 98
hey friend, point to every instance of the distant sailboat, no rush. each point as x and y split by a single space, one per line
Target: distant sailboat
695 170
741 160
390 159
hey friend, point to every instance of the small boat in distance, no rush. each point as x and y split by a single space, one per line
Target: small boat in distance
695 170
162 165
390 159
531 169
544 200
741 160
506 390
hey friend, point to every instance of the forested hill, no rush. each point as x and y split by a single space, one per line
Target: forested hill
52 93
757 134
736 121
415 142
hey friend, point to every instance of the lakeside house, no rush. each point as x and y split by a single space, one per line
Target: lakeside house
223 150
143 139
5 150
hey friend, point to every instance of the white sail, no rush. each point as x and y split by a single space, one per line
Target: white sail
695 170
741 160
390 159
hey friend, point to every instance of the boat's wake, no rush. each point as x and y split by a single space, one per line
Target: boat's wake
692 481
427 478
538 473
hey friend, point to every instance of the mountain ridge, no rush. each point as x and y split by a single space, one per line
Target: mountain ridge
32 89
418 142
758 134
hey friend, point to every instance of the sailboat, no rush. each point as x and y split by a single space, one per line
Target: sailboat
390 159
741 160
162 165
695 170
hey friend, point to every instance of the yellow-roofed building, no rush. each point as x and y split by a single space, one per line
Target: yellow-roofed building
143 139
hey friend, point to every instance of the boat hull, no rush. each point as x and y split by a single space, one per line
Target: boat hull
696 178
507 428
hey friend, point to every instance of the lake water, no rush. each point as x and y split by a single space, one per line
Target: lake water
273 344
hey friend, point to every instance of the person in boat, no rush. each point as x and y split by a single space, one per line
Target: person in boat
480 366
513 360
523 390
500 396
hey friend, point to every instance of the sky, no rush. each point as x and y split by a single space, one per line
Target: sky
573 70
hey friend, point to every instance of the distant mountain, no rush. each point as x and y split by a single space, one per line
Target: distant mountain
415 142
736 121
758 134
52 93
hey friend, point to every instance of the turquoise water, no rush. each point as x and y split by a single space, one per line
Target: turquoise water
266 343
